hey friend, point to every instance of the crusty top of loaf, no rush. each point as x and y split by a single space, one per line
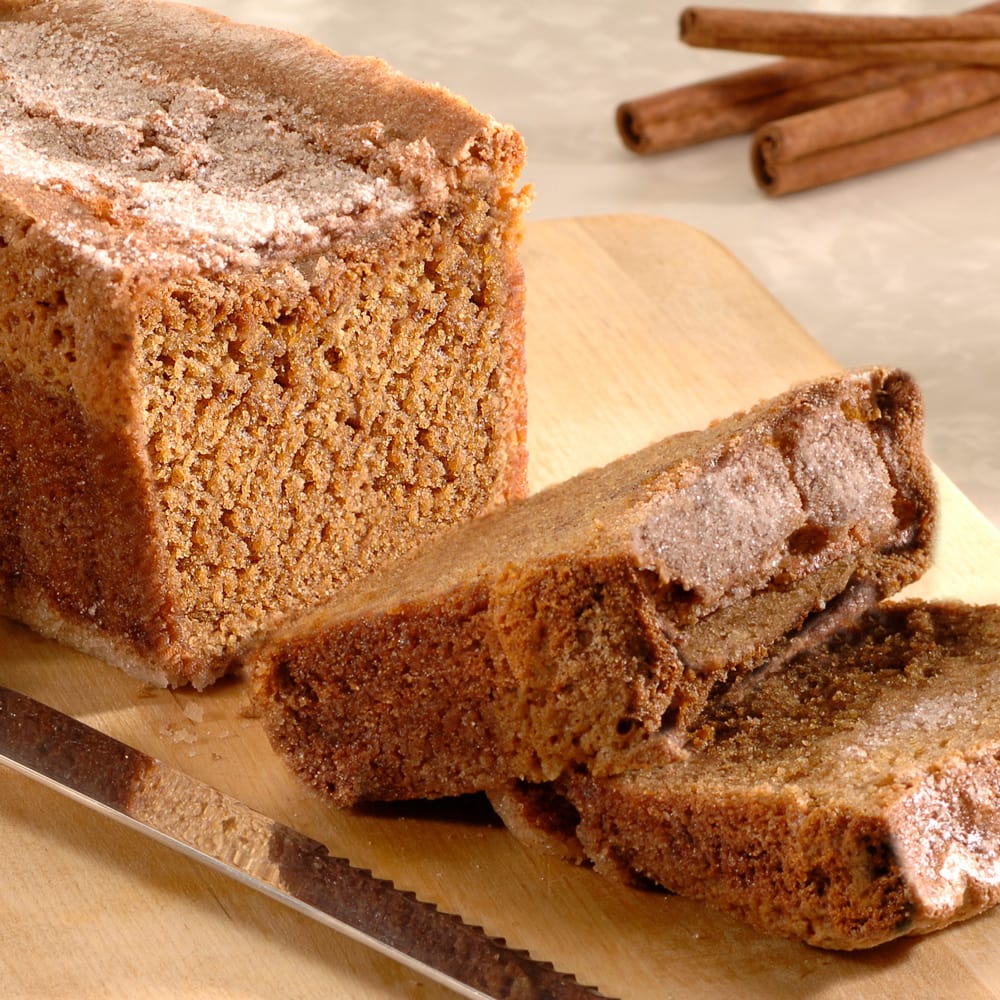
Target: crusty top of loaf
173 134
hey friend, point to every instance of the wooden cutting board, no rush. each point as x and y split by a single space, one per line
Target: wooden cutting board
637 328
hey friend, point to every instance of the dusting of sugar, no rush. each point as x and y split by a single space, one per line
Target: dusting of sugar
934 715
196 174
948 851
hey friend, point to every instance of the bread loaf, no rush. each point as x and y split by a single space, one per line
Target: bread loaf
263 326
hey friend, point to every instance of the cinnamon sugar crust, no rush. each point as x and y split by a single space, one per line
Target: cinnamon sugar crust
575 628
204 175
267 300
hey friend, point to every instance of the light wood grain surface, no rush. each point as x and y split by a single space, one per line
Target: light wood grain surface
637 328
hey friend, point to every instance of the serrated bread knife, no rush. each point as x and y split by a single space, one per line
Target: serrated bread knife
210 826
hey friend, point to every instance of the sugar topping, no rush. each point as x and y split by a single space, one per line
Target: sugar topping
198 174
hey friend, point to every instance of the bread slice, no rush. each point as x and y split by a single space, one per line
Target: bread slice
848 798
263 325
571 628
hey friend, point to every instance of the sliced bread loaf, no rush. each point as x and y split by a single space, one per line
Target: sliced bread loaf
850 797
572 628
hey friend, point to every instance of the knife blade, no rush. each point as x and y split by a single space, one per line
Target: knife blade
163 802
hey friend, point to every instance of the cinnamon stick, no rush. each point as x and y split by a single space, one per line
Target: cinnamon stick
953 38
897 125
743 101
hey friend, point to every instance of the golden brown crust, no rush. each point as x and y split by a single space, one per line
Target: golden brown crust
101 572
569 629
183 138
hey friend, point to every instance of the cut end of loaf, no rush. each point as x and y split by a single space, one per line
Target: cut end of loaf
336 423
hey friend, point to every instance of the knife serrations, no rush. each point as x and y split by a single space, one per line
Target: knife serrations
420 929
205 823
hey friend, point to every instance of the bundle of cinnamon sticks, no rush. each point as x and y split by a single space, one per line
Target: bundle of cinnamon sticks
851 95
